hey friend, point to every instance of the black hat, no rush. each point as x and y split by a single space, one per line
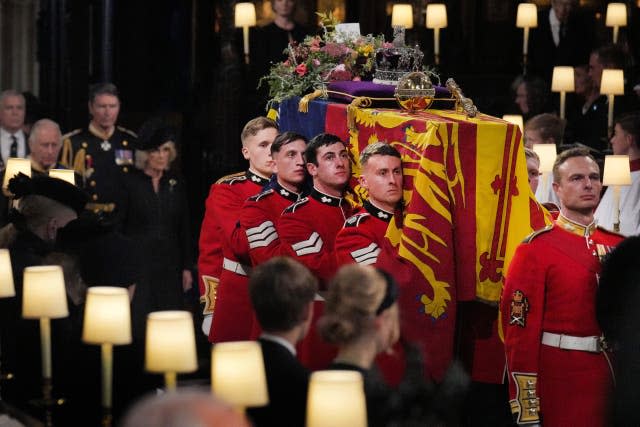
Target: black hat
153 133
60 191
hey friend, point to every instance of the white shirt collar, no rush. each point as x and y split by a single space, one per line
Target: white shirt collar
554 22
279 340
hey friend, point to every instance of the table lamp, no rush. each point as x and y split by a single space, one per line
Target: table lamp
44 297
402 15
237 374
7 290
336 399
436 19
563 82
526 18
15 165
64 174
516 119
547 154
170 346
616 173
611 84
107 322
245 17
616 18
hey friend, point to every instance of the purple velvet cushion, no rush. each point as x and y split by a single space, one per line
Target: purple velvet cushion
370 89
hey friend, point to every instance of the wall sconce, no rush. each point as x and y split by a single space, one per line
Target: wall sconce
64 174
563 82
237 374
402 15
336 399
616 18
616 173
170 345
245 17
516 119
526 18
611 84
107 322
436 19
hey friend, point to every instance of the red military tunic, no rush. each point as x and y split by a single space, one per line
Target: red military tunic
361 241
308 232
549 296
233 315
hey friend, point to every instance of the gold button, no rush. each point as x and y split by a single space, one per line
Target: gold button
92 183
125 169
94 197
85 145
125 143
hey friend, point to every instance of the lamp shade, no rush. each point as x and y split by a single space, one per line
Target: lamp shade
245 14
7 289
616 15
616 170
170 342
563 79
63 174
612 82
402 14
436 15
527 16
547 154
336 399
107 316
516 119
43 293
15 165
237 373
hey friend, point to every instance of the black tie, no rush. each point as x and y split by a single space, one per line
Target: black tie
13 151
563 31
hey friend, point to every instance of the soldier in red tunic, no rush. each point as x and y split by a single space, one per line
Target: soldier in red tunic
220 240
557 360
309 227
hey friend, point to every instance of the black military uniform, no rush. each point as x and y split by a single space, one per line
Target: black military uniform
100 160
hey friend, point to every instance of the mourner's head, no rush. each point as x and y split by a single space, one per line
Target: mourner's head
104 106
382 175
287 152
562 8
156 146
328 164
533 168
609 56
284 8
543 129
257 136
626 134
45 142
576 182
12 110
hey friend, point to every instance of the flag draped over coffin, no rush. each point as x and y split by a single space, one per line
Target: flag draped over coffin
467 206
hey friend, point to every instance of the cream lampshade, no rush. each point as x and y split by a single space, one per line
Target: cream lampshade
516 119
245 17
237 374
616 170
436 19
616 18
336 399
611 84
402 15
63 174
7 289
15 165
563 82
170 345
526 18
547 154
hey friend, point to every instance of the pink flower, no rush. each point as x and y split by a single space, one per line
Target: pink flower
340 72
286 63
357 79
316 62
387 45
301 69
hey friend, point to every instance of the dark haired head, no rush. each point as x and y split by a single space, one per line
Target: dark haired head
320 140
286 138
379 148
103 89
630 123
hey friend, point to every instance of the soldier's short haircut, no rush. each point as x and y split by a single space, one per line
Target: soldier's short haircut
102 89
320 140
255 125
566 155
379 148
286 138
530 154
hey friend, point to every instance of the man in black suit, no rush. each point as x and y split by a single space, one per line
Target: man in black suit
564 36
282 292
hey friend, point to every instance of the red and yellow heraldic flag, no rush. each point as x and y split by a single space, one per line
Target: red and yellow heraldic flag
467 207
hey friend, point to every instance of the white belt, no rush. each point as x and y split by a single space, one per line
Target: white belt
236 267
591 344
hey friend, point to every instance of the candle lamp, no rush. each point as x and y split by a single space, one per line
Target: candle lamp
616 174
436 19
44 298
402 15
526 18
245 17
563 82
170 346
7 290
547 154
15 165
616 18
611 84
237 374
336 399
107 322
64 174
516 119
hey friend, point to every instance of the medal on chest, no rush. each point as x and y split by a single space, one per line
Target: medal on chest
106 145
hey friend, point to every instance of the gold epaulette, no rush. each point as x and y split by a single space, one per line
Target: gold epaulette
232 178
536 233
125 130
72 133
262 195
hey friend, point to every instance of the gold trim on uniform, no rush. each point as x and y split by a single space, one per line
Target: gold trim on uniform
575 227
526 405
210 293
